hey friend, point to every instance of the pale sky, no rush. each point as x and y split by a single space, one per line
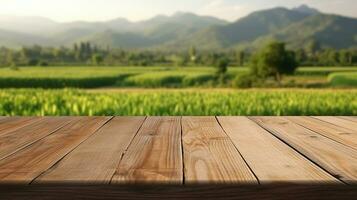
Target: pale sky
99 10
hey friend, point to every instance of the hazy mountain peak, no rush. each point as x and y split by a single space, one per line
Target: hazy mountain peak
181 13
120 20
306 10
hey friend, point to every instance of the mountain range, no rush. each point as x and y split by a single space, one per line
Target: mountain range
298 27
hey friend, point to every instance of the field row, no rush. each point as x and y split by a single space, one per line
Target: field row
155 77
177 102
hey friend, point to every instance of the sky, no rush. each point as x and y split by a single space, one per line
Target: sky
135 10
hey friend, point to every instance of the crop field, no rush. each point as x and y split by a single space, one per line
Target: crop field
343 79
39 102
142 77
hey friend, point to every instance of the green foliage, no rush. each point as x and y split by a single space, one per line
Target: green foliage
97 59
166 102
274 61
244 80
241 58
343 80
221 66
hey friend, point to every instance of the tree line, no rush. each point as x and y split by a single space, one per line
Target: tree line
85 53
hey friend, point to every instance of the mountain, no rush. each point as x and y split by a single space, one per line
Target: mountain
119 40
120 31
331 31
306 10
153 32
16 40
246 29
29 25
297 27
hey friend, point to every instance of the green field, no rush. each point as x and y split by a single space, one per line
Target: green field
146 77
343 79
38 102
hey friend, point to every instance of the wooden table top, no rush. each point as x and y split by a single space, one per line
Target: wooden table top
178 150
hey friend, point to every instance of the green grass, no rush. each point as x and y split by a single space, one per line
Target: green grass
343 79
144 77
29 102
323 71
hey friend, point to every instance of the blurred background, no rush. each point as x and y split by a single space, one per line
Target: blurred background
201 57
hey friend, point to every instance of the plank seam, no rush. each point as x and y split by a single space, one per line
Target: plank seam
32 143
59 160
245 161
347 118
333 123
183 154
126 149
21 126
282 140
322 134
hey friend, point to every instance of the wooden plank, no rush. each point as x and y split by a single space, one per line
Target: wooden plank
209 154
337 133
270 159
339 122
10 124
20 138
96 160
336 158
155 154
354 119
33 160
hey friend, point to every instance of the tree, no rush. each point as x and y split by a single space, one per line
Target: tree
10 59
222 68
345 57
274 61
312 47
300 56
240 58
97 59
193 54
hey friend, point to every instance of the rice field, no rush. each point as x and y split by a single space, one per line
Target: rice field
144 77
39 102
343 79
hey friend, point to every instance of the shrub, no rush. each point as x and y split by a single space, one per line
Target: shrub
244 80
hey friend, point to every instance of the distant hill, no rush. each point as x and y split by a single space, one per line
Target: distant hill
28 25
330 31
115 33
247 29
16 40
297 26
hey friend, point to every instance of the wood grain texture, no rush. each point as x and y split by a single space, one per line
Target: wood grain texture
338 159
22 137
209 154
337 133
96 160
9 124
35 159
269 158
353 119
155 154
339 122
